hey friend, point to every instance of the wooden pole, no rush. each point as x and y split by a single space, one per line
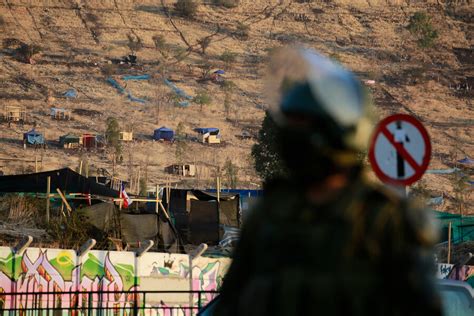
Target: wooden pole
63 198
48 192
449 243
80 167
36 162
218 187
157 199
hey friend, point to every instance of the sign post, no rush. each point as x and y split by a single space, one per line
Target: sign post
400 151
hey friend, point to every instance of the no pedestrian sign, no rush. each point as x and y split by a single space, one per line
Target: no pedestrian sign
400 150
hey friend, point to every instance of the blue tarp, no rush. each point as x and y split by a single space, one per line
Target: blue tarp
133 99
33 137
177 90
466 161
183 104
116 85
139 77
436 200
219 72
443 171
122 90
70 93
163 133
211 130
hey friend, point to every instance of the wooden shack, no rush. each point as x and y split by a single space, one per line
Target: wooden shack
126 136
14 113
209 135
186 170
70 141
60 114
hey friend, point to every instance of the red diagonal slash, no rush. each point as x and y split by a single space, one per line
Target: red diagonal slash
401 150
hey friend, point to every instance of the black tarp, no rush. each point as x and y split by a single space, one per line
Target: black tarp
64 179
177 209
204 222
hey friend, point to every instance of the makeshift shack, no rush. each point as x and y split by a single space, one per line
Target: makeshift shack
164 133
209 135
33 138
89 141
186 170
199 217
126 136
70 141
14 113
60 114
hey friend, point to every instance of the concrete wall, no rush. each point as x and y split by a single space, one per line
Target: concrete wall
61 270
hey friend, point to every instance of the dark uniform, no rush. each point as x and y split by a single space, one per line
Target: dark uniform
325 241
365 253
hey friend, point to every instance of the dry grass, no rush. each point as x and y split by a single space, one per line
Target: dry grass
372 41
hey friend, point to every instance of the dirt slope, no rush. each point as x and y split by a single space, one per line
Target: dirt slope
79 39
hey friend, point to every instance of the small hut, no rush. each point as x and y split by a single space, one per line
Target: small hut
164 133
33 138
70 141
126 136
186 170
60 114
210 135
14 113
89 141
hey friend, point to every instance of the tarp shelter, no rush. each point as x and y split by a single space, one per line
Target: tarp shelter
199 218
163 133
467 161
89 140
33 138
209 135
126 136
65 179
462 227
70 141
185 170
70 93
60 114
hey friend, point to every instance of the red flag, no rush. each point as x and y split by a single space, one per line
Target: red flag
123 195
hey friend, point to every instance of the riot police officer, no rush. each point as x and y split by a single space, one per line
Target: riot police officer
325 240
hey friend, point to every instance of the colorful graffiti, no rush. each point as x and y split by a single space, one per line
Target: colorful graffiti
70 278
455 272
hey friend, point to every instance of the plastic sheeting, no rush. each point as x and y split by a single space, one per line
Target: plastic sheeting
178 91
64 179
163 133
70 93
436 200
204 222
467 161
138 77
138 227
122 90
443 171
33 137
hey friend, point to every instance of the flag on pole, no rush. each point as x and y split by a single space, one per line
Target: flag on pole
123 195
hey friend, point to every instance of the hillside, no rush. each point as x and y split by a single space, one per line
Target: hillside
81 39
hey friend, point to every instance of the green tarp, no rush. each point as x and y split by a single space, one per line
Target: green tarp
462 227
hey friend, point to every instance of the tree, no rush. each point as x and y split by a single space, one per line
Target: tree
202 98
27 51
265 152
186 8
231 173
112 135
228 87
420 25
204 43
228 58
181 146
134 43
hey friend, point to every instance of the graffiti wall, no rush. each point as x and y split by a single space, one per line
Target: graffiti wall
455 272
39 272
